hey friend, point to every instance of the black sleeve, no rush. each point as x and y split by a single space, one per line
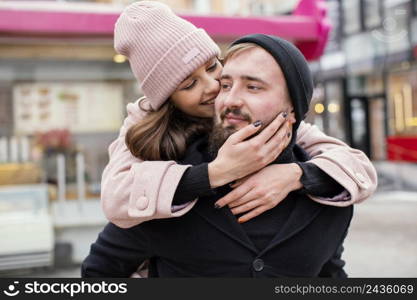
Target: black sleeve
317 183
116 253
194 183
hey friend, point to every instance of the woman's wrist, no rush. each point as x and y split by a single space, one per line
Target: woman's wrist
217 176
297 174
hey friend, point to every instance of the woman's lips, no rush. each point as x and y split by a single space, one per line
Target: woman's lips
208 102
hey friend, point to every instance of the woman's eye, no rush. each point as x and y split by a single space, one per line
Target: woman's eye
189 86
212 67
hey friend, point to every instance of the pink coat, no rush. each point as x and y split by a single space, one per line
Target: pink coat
134 191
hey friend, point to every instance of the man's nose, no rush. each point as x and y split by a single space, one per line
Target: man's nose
233 98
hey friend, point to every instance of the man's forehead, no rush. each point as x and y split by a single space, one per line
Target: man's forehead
254 60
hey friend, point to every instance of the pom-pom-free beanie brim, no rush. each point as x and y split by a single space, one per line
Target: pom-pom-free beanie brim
182 59
162 48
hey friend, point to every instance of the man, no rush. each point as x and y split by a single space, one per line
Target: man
299 237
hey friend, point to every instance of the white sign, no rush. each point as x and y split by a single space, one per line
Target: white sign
79 107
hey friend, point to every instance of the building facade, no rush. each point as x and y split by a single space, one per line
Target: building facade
366 80
63 73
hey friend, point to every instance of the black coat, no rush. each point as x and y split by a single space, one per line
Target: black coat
207 242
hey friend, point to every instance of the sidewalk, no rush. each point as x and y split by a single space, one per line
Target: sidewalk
396 175
382 241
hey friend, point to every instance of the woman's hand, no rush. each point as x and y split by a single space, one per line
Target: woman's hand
239 157
262 190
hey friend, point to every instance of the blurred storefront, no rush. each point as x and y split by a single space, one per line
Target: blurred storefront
63 74
402 141
368 74
402 92
63 92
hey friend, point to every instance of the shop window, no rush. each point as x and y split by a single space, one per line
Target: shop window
395 31
415 7
284 7
403 104
334 110
355 85
374 85
232 8
414 31
365 95
6 112
315 114
334 11
81 107
351 16
377 128
202 6
358 112
257 9
62 118
372 11
369 85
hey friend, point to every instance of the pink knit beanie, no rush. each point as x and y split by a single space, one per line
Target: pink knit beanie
163 49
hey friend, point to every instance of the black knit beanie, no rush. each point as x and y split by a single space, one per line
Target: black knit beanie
294 67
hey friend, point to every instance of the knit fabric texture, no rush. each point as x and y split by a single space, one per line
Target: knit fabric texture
162 48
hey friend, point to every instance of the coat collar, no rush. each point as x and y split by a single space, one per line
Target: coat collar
305 210
223 220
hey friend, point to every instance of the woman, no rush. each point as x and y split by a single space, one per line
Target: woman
178 67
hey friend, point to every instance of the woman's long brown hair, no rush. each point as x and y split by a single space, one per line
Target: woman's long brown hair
163 134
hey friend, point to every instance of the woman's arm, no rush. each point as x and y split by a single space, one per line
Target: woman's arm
116 253
134 191
351 168
317 183
194 183
336 175
332 184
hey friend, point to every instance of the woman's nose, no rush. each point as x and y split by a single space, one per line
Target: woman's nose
213 85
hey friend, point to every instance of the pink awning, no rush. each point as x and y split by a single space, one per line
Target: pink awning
308 26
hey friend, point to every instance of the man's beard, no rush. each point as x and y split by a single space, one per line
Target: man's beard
220 134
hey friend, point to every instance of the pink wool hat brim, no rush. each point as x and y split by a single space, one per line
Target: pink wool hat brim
162 48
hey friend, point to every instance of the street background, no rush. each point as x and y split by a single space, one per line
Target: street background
58 65
381 241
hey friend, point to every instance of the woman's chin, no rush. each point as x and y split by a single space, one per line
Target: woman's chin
206 112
